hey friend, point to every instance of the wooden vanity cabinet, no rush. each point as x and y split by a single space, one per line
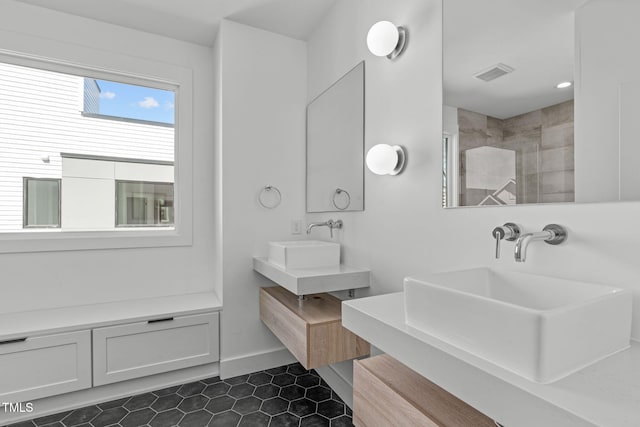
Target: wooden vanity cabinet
387 393
311 329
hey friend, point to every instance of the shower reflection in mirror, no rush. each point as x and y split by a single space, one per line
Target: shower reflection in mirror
508 126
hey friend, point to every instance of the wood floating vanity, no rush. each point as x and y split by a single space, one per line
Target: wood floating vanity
311 328
386 393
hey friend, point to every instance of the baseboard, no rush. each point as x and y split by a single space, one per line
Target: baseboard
255 362
92 396
342 385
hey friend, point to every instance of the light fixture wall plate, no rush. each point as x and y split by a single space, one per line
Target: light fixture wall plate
384 159
386 39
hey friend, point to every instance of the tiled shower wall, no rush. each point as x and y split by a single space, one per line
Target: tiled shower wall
543 141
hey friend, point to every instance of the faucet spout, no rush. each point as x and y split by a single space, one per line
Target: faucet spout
523 242
329 223
552 234
315 224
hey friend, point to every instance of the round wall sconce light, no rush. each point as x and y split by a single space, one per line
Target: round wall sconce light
385 39
384 159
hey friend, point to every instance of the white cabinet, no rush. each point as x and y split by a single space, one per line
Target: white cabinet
56 351
36 367
146 348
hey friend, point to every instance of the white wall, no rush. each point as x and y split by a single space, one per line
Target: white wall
393 236
606 112
37 280
217 142
262 116
450 120
404 230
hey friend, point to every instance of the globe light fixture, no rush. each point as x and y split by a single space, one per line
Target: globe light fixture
386 39
384 159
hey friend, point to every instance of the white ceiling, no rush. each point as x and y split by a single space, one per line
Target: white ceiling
536 37
533 36
197 21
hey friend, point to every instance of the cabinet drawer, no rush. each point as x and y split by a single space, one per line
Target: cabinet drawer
386 392
43 366
159 345
312 329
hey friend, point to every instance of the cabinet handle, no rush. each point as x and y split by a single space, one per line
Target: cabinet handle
166 319
13 341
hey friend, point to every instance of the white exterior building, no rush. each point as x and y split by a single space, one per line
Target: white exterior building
50 128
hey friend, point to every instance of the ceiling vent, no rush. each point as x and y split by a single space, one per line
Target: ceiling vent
494 72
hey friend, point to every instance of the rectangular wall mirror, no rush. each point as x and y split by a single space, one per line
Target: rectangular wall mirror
539 102
335 146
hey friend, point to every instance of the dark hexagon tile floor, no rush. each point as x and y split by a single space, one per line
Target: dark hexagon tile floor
286 396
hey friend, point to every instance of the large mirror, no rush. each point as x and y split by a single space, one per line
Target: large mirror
540 101
335 146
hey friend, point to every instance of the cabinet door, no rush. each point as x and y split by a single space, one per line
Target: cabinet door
159 345
36 367
311 330
286 325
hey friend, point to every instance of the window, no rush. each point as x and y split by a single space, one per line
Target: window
41 203
144 204
48 132
85 134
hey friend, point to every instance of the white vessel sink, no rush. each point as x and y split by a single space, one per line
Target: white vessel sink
304 254
539 327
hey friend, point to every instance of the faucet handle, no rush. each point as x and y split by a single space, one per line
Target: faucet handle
497 233
558 234
512 231
330 225
333 224
508 231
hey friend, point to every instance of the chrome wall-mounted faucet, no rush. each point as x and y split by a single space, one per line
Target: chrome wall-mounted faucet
553 234
509 232
329 223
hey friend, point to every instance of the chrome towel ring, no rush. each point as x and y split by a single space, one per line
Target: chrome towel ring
269 197
345 204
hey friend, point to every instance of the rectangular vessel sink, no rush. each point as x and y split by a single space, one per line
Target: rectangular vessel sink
539 327
304 254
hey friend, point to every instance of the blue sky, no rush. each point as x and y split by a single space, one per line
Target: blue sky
136 102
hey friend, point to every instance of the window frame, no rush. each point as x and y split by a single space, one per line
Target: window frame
25 203
35 52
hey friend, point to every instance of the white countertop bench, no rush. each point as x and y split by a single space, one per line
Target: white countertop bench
47 321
